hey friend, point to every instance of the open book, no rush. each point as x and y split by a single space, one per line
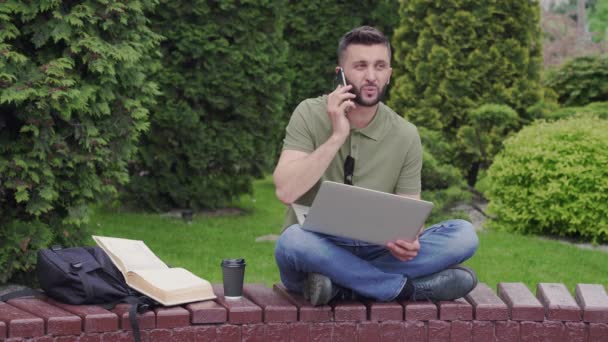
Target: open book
146 273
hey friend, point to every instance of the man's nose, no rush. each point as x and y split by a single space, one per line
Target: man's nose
370 74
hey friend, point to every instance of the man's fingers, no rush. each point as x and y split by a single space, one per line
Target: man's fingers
409 245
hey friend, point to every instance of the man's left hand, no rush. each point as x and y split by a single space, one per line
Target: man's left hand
404 250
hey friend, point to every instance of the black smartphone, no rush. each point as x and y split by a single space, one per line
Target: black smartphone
340 79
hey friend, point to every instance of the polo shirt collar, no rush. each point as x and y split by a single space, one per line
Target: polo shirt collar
375 129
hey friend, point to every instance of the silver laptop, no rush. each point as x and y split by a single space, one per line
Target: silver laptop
363 214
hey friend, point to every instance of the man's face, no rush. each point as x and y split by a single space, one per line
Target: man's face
368 69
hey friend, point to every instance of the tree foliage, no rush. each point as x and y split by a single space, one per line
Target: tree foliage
454 56
218 120
74 97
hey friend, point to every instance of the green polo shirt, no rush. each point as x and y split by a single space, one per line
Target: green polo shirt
387 152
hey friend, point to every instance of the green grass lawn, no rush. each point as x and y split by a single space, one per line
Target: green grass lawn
201 245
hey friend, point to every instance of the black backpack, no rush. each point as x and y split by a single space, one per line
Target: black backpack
85 275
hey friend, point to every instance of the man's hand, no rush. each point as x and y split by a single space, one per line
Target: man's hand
338 104
404 250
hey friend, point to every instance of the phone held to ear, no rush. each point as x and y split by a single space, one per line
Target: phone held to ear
340 79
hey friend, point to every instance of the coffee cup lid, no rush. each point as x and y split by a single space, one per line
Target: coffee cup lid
233 262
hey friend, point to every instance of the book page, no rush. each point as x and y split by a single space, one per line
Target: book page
129 255
171 286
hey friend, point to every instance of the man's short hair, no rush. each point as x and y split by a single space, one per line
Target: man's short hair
364 35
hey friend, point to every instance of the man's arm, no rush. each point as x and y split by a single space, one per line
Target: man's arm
402 249
297 171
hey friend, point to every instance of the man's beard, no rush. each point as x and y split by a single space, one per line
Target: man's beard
362 102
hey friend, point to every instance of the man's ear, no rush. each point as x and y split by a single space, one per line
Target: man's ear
337 68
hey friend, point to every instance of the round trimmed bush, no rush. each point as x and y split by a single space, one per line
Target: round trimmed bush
552 178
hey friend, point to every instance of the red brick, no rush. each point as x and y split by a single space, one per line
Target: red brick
458 309
146 320
559 304
439 331
487 306
306 311
594 302
483 331
299 332
183 334
172 317
66 339
276 307
576 331
461 331
207 333
349 311
321 331
228 332
391 331
125 336
415 331
207 312
368 331
345 332
253 332
90 338
2 330
531 331
384 311
278 332
506 331
20 323
554 331
47 339
598 332
240 311
156 335
94 318
522 304
419 311
58 321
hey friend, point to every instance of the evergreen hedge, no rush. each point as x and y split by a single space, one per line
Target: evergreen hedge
218 121
552 178
455 56
580 81
74 97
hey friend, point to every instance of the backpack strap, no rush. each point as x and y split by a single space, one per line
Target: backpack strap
138 305
82 274
25 292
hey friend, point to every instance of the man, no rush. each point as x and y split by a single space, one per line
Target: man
385 154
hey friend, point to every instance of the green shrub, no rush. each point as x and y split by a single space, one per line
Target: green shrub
74 97
218 123
580 81
599 109
454 56
552 178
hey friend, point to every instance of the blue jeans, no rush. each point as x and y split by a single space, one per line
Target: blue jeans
370 270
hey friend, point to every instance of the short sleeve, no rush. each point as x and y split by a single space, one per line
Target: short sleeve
409 178
298 135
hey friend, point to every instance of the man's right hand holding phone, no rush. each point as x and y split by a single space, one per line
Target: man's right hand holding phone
339 102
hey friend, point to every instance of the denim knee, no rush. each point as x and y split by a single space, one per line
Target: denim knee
290 241
464 240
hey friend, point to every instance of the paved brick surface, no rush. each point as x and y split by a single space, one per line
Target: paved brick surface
420 311
522 304
94 318
306 312
275 307
487 306
266 314
458 309
593 300
559 304
208 311
19 323
240 311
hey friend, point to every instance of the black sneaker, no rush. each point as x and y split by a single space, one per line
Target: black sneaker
452 283
319 290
